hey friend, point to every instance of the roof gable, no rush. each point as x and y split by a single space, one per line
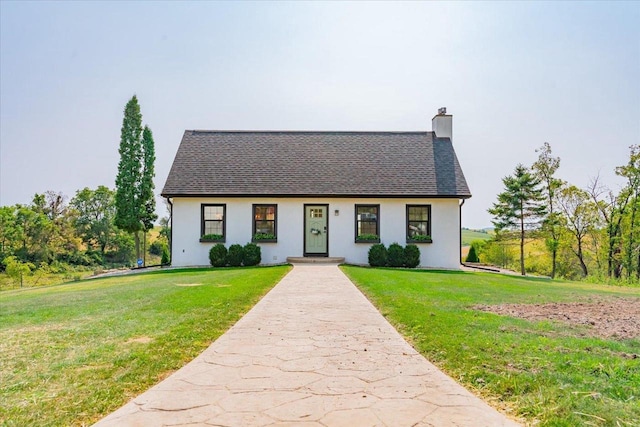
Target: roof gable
368 164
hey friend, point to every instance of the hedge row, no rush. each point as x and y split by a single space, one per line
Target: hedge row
395 256
235 256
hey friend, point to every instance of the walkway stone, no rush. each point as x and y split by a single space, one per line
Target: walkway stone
312 352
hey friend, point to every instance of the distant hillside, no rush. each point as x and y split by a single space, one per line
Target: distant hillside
469 235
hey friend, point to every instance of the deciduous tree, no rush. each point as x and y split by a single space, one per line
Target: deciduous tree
631 191
544 169
580 216
95 212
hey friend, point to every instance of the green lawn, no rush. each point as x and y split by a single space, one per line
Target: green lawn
542 372
70 354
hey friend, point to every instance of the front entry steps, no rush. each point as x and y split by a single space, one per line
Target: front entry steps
315 260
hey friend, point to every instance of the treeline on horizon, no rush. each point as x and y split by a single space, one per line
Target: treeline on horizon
55 233
547 226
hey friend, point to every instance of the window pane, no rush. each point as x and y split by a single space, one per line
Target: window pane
213 212
258 213
368 228
213 227
368 213
271 213
265 213
265 227
417 228
418 213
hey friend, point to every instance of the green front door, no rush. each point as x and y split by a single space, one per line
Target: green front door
315 230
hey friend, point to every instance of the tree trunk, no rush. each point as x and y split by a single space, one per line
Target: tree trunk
610 250
522 239
144 251
554 256
630 243
136 236
583 266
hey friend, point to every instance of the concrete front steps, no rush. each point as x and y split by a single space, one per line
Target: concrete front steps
315 260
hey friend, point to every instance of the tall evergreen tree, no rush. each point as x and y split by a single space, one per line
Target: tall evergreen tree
135 204
544 169
147 197
520 206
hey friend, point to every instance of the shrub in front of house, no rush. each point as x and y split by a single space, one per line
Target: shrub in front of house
218 255
411 256
377 255
235 255
251 254
395 255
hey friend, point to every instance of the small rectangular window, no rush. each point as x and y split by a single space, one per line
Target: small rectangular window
368 223
418 223
265 223
213 223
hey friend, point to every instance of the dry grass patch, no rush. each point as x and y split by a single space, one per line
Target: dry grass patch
617 318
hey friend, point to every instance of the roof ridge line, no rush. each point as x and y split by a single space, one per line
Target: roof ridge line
194 131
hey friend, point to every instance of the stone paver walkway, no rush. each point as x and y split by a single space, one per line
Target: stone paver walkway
313 352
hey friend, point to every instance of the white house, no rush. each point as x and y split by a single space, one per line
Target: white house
317 194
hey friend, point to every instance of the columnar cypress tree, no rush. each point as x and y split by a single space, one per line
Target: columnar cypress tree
520 206
135 203
147 198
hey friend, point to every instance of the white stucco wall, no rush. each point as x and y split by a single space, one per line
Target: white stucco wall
444 252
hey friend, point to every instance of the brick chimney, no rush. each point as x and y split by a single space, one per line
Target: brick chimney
442 124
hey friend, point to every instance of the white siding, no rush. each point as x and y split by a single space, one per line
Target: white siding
444 252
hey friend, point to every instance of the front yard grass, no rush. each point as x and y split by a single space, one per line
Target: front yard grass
545 373
73 353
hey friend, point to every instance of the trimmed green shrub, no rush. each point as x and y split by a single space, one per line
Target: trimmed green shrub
411 256
419 238
395 255
368 237
264 236
251 254
377 255
472 256
235 255
165 256
218 255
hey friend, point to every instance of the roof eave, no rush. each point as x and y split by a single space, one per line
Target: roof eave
340 196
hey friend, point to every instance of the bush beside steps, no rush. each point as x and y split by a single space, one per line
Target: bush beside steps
235 256
395 256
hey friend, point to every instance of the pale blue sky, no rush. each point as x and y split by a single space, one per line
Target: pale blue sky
514 75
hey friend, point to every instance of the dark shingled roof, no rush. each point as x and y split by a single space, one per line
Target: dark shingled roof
339 164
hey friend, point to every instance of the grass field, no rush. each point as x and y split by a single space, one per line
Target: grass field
469 236
73 353
542 372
